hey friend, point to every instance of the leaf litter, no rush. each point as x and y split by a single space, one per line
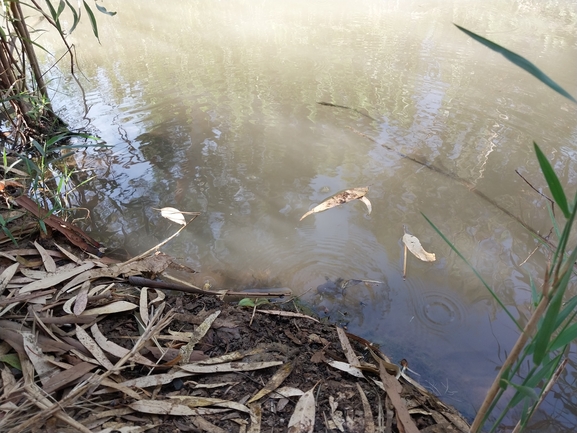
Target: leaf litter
97 354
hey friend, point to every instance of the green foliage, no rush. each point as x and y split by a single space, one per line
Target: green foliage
252 303
539 353
25 101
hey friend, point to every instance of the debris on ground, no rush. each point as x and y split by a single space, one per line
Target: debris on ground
86 349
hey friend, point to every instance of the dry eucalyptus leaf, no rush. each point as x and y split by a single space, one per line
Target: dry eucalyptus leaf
414 246
343 366
196 336
229 367
48 261
114 307
173 215
340 198
275 381
93 348
303 418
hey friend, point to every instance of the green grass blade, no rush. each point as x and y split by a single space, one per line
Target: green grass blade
475 271
520 61
553 181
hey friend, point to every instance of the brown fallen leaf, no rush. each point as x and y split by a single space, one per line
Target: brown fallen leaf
43 368
414 246
368 414
303 418
168 407
48 261
115 349
393 389
58 277
93 348
67 377
274 382
114 307
229 367
340 198
347 348
197 335
7 275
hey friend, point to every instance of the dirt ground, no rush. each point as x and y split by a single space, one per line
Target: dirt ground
82 349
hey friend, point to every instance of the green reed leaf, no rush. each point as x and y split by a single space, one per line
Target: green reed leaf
566 311
520 61
564 338
553 181
549 324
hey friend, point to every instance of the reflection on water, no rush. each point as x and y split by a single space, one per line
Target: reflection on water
213 107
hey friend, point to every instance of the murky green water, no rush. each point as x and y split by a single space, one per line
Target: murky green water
213 107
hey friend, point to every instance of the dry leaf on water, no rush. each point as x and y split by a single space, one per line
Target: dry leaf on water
173 215
303 418
414 246
342 198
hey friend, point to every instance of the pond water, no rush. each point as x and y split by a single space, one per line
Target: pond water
213 106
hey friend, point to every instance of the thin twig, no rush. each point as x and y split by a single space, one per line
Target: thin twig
538 192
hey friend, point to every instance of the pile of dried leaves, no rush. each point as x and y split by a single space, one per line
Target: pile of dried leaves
83 351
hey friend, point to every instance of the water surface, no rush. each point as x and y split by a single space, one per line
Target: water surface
213 107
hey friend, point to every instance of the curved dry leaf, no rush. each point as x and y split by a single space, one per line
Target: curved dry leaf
114 307
196 336
343 366
303 418
48 261
143 304
115 349
173 215
414 246
7 275
338 199
274 382
93 348
81 299
67 307
229 367
56 278
197 401
367 203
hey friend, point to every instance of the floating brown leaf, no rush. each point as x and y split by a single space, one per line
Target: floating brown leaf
414 246
341 198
